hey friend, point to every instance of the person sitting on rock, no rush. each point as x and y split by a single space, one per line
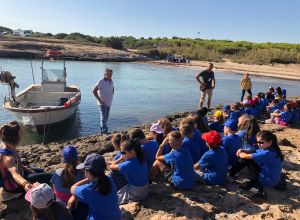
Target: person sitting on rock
265 163
281 117
248 128
218 123
98 191
166 125
231 141
201 122
118 177
150 147
192 138
135 170
176 166
65 177
15 177
43 204
156 133
211 169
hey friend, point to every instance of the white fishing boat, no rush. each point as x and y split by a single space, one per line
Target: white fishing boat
42 105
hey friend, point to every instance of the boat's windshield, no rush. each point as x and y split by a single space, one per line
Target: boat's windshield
53 75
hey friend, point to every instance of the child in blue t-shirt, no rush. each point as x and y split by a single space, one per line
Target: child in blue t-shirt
134 169
231 141
218 123
118 178
97 191
181 175
213 164
282 117
265 163
295 111
273 106
248 128
63 178
263 102
248 108
189 142
193 120
116 142
150 147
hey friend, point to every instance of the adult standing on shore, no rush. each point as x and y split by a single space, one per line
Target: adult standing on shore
207 85
246 85
104 92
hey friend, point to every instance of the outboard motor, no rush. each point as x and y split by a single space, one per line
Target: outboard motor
6 78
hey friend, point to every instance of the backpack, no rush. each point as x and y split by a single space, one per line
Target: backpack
7 182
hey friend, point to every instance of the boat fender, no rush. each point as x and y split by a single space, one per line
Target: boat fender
71 101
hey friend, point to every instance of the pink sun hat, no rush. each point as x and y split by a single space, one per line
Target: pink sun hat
156 128
40 196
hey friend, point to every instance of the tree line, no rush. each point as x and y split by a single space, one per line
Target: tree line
196 49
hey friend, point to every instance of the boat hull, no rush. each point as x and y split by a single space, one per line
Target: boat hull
45 116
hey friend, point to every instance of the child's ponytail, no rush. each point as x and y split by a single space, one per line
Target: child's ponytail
269 136
135 145
139 151
102 184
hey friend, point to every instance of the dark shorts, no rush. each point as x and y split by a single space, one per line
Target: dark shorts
168 175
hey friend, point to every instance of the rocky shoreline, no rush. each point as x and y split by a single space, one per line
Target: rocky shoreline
33 48
203 202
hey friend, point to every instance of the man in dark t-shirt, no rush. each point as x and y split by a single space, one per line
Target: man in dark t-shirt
207 83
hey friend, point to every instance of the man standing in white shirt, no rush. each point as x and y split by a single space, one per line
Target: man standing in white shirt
104 92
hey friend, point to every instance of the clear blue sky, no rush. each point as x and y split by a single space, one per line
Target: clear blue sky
253 20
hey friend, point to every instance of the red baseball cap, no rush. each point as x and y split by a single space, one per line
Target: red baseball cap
213 138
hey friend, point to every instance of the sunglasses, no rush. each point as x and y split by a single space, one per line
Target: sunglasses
123 152
260 142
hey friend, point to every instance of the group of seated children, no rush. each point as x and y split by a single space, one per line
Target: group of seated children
195 152
271 105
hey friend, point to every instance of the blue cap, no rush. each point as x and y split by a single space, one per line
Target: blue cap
93 162
231 124
226 108
70 154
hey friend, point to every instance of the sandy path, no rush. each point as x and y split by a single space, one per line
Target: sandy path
290 71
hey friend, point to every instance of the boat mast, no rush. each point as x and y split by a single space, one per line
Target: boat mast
32 72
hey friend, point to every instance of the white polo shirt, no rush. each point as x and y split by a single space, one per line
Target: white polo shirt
106 91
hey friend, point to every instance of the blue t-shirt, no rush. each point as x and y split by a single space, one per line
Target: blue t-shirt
286 117
101 207
263 103
247 144
231 144
270 165
216 126
242 111
282 103
200 142
190 144
256 111
234 116
118 155
150 149
183 174
273 108
135 173
249 111
56 181
295 116
214 165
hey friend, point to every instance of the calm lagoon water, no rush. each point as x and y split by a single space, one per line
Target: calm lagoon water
143 93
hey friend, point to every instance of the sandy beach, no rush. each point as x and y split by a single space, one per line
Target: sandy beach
280 71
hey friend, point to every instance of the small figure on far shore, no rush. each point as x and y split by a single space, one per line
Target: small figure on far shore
104 92
246 85
207 85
